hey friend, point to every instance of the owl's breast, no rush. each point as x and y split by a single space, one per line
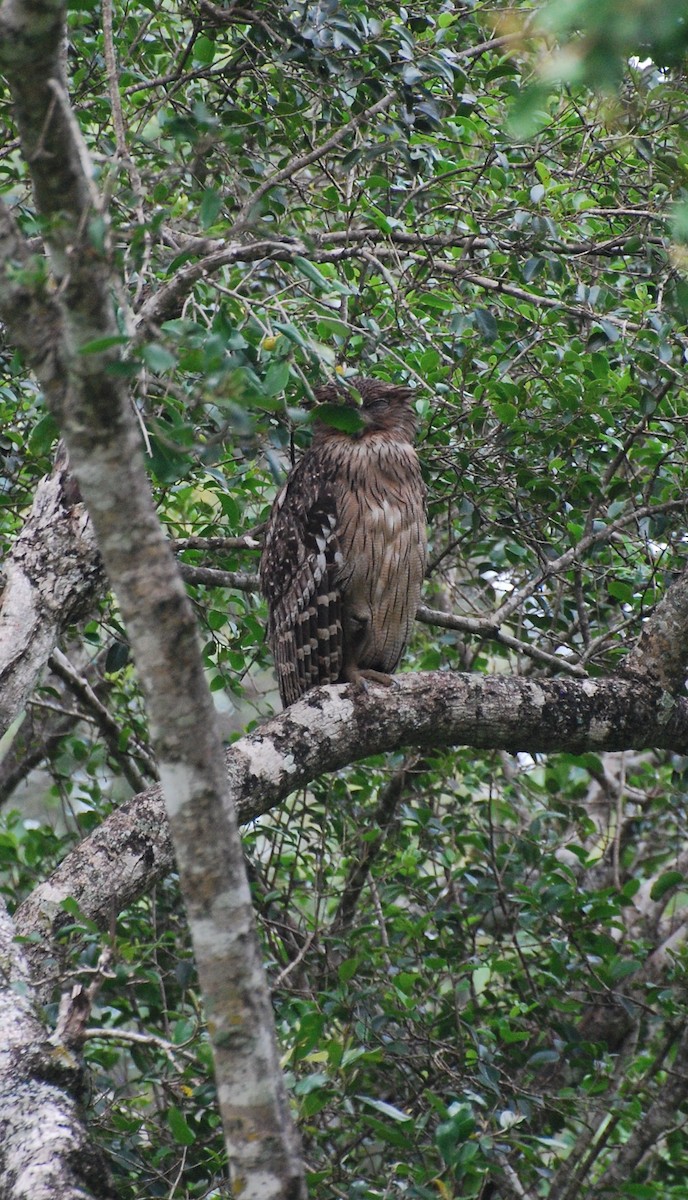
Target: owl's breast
383 544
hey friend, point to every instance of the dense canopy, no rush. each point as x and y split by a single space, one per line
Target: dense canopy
470 890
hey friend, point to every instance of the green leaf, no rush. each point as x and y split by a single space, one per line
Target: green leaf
98 345
338 416
211 205
620 590
486 324
44 434
276 378
204 50
167 464
180 1129
666 883
390 1134
311 1083
611 332
290 331
158 358
10 733
347 969
117 657
322 281
388 1110
506 412
452 1133
542 1057
532 268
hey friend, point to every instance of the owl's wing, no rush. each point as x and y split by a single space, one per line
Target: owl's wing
299 567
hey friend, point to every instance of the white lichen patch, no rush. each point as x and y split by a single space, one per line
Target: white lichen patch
216 938
599 731
245 1088
536 696
265 761
334 708
52 896
179 784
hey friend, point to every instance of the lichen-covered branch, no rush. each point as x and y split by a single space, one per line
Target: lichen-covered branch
661 653
50 579
53 573
328 729
102 438
45 1152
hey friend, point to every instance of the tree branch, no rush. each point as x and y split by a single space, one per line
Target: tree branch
51 578
304 160
661 652
330 728
168 300
45 1149
81 688
326 248
102 437
662 1116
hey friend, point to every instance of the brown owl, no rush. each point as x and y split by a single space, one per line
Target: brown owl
345 548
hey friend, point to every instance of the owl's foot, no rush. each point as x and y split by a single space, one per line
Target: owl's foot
359 680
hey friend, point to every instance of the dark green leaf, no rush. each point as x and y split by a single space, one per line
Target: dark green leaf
486 324
179 1127
667 882
338 417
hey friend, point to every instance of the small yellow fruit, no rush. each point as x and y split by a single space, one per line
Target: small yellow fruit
269 343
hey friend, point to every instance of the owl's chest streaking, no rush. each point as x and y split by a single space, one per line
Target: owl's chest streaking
380 499
381 532
344 558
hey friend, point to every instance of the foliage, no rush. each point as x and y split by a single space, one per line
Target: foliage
478 1004
611 32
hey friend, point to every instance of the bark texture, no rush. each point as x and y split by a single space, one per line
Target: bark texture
50 579
54 573
45 1152
661 652
98 424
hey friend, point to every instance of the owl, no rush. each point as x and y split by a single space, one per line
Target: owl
345 549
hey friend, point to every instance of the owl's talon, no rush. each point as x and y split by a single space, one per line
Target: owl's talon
361 679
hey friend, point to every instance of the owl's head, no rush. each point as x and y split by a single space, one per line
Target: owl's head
381 407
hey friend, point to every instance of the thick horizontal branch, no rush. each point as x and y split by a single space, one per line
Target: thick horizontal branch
246 542
332 727
169 299
352 238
